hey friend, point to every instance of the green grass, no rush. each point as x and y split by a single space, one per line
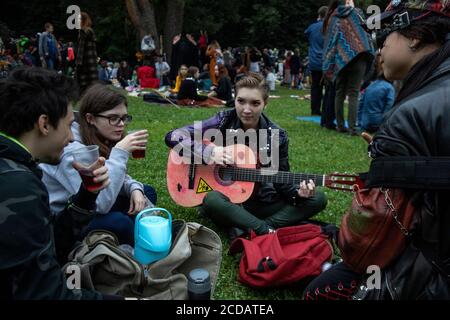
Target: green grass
312 149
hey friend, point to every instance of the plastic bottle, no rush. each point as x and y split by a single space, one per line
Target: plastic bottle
199 285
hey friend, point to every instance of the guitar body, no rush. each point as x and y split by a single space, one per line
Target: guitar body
188 192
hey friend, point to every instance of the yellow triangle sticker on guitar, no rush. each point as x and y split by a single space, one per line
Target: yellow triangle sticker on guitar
203 187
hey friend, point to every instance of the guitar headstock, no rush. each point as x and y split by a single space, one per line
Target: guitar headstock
343 181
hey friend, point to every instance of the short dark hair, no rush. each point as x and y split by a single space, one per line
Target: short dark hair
30 92
192 71
48 25
322 12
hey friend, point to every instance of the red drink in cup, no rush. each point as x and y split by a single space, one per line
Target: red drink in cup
137 154
88 180
85 158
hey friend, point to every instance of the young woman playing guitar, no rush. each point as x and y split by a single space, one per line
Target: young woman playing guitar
271 205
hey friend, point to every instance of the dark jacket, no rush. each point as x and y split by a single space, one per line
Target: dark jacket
224 89
183 52
295 64
188 90
28 263
226 121
419 126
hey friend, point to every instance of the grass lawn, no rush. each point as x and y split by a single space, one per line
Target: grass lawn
312 149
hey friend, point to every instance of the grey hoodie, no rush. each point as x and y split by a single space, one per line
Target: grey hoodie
63 181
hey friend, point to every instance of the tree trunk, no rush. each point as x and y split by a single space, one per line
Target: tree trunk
173 24
142 15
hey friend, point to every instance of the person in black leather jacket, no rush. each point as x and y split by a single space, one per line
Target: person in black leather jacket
271 206
414 45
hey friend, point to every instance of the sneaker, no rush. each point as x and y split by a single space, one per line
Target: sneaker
352 132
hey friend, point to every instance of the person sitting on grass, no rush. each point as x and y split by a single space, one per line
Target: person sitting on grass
376 101
147 76
188 92
35 118
103 118
272 206
224 90
182 74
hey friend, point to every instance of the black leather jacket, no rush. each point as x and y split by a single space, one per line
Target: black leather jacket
419 125
228 120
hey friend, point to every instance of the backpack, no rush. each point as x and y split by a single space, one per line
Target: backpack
283 257
106 268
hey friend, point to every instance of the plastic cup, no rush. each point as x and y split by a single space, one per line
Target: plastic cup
137 154
85 157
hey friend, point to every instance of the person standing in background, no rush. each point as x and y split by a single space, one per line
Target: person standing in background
315 53
48 48
213 51
86 63
347 54
162 70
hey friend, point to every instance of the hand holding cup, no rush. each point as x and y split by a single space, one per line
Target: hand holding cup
135 143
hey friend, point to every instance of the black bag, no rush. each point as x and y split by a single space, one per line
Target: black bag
156 98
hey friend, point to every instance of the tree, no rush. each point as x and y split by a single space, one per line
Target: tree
142 15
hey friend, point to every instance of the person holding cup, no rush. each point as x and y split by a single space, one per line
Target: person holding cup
35 119
103 117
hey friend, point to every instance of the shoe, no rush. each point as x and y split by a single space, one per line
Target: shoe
341 129
235 232
352 132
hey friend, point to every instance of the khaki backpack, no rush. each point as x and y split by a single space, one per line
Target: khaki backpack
106 268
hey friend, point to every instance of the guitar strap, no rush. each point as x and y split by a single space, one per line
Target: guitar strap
430 173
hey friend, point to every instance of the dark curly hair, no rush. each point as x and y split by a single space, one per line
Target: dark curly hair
29 93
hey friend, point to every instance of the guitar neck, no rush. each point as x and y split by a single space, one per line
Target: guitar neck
268 176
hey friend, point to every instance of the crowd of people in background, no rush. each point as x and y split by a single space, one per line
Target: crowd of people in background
219 69
48 208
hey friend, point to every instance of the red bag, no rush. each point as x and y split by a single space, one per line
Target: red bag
283 257
375 229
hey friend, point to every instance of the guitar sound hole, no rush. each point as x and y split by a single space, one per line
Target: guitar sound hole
223 176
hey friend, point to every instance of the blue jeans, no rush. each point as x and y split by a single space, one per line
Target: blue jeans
117 220
50 63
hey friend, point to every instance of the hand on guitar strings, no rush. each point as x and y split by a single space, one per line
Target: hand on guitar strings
222 156
307 190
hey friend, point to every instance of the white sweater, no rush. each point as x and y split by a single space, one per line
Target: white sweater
63 181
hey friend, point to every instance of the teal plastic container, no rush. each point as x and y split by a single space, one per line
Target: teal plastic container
152 235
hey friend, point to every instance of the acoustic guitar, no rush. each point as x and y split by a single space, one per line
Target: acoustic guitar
188 183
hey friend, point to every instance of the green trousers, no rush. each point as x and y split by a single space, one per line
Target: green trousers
260 216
